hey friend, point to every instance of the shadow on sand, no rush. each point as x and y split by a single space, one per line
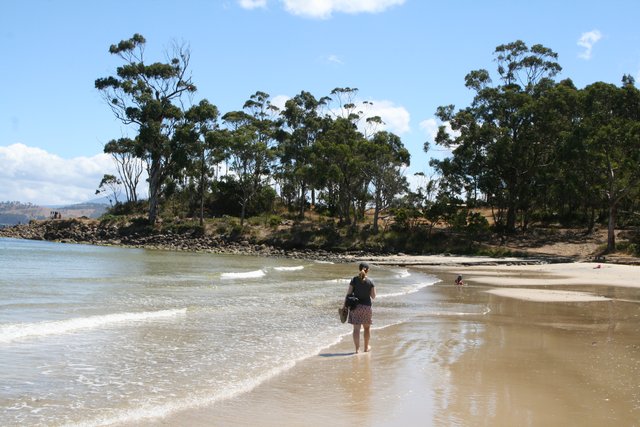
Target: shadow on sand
351 353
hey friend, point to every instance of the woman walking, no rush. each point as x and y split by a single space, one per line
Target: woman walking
361 315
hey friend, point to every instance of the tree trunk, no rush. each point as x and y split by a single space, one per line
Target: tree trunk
242 213
376 212
592 220
303 194
511 219
611 235
201 201
203 177
154 190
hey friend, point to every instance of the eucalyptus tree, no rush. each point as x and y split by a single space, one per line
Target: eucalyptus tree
207 145
129 167
110 183
341 156
386 157
611 131
567 187
302 125
149 97
250 147
496 147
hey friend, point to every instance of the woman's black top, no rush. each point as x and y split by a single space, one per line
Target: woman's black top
362 289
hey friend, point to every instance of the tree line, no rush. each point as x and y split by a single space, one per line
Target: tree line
527 147
315 150
530 147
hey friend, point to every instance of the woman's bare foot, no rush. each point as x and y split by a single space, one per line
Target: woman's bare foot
368 349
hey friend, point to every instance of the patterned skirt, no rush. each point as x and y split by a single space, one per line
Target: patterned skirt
361 315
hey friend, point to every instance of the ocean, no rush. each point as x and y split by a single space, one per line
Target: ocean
95 335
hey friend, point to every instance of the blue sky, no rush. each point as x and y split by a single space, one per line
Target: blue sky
407 57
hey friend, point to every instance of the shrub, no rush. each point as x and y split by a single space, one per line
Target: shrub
274 221
129 208
191 228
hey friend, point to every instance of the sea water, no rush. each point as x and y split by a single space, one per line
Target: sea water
95 335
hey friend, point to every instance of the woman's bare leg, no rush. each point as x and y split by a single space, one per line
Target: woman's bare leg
367 335
356 337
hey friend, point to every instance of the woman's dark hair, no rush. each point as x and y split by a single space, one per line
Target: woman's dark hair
363 267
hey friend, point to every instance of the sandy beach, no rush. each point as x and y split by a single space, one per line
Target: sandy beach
527 345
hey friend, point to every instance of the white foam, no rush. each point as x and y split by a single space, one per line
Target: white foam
296 268
486 311
338 281
547 295
243 275
408 289
151 412
12 332
403 274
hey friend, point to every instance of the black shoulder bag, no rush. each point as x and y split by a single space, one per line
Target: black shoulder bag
351 300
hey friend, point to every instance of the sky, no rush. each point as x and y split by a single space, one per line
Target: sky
405 57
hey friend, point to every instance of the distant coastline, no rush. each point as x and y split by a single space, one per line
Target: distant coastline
16 213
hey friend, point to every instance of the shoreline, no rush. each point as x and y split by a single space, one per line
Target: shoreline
476 354
93 232
522 360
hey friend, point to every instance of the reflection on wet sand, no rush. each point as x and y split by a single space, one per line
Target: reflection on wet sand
471 359
547 364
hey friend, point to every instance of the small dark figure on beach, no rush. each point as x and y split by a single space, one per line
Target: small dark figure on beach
459 281
361 315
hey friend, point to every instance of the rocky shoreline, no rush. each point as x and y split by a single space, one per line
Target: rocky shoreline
95 233
87 231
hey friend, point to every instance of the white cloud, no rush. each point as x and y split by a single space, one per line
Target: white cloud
252 4
323 9
29 174
279 101
395 118
587 40
431 126
334 59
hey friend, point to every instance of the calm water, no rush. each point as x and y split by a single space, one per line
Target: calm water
99 335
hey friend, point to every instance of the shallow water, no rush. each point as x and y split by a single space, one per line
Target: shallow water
464 358
98 335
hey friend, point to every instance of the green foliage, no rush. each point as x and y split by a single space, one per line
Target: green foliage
473 224
499 143
227 225
404 218
126 225
274 221
148 96
531 149
190 228
129 208
227 199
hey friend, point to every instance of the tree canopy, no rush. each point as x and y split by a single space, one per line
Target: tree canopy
527 147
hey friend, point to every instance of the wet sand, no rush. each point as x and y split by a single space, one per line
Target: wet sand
496 360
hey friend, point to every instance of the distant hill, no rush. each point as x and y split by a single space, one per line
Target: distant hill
12 213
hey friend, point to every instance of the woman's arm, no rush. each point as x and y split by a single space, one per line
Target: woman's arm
373 292
350 290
